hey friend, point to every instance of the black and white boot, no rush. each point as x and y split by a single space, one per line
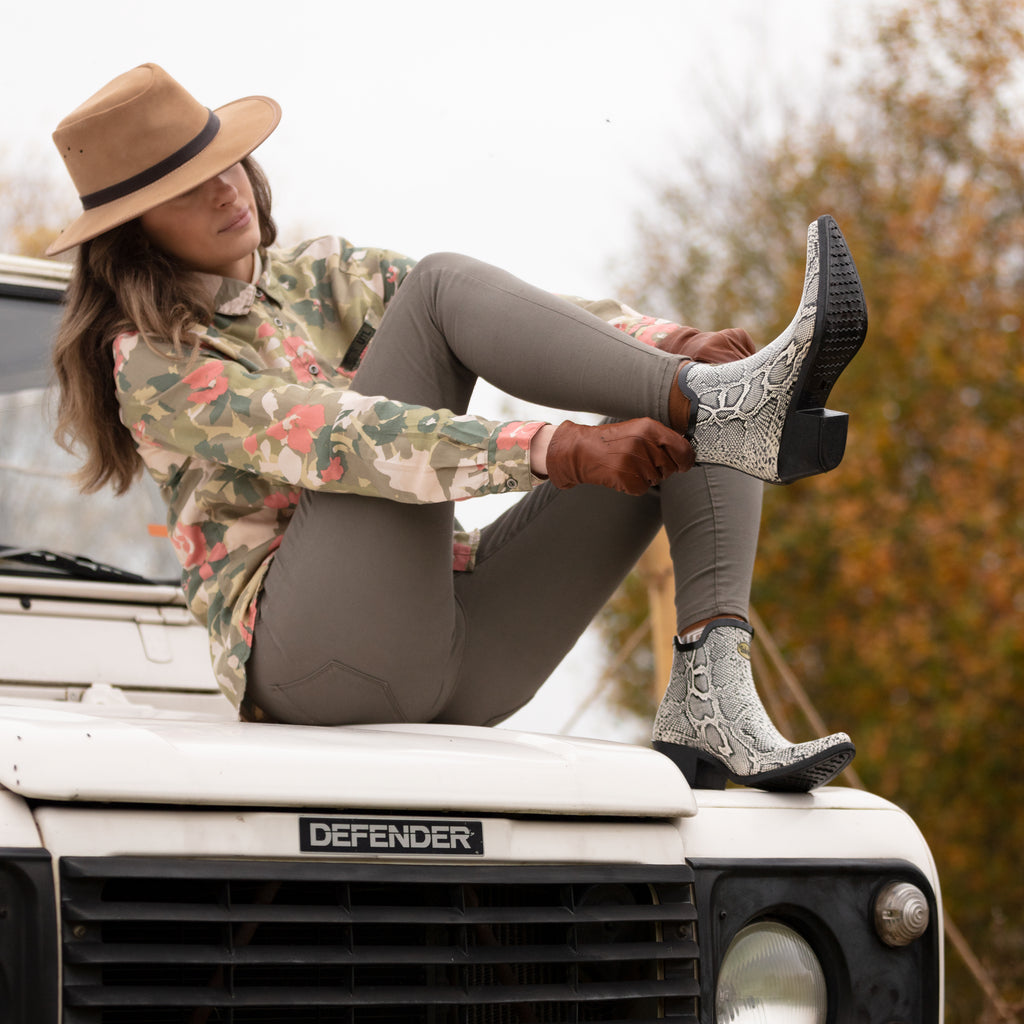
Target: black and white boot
765 415
712 724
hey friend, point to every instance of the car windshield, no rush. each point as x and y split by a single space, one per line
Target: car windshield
40 505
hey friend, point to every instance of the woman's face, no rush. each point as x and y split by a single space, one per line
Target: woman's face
214 228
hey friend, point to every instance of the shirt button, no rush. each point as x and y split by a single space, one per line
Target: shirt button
280 323
314 369
510 484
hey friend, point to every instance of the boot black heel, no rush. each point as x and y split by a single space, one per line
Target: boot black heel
813 441
698 772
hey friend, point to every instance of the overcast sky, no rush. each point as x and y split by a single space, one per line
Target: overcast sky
528 134
525 133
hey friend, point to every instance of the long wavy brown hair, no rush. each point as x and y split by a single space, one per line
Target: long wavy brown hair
122 282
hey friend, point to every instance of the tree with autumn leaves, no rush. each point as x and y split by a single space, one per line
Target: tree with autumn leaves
30 215
895 585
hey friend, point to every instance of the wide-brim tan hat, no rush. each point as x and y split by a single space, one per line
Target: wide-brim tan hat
143 139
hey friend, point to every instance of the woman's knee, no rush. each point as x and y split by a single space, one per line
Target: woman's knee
440 276
442 263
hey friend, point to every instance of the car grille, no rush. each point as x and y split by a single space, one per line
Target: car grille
212 941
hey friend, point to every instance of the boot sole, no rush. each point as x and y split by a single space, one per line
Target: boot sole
814 438
703 771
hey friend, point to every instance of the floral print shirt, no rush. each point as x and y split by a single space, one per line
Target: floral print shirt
263 409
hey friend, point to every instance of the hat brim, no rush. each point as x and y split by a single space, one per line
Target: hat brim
244 124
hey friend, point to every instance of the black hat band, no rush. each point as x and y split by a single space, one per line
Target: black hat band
158 170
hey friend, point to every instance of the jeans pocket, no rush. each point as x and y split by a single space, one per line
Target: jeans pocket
334 694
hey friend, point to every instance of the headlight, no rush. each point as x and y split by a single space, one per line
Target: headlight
770 975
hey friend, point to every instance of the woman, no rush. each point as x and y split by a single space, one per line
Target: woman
310 447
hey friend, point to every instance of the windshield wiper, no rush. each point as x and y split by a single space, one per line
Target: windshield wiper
76 567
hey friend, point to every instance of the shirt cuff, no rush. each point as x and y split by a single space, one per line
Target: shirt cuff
512 455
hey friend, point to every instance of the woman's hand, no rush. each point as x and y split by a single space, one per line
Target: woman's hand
709 346
630 457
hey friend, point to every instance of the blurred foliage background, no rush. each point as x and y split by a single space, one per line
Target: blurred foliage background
894 586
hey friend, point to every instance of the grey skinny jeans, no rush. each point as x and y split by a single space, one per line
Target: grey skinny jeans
362 619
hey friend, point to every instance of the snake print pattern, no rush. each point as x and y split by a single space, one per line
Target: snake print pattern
711 706
742 406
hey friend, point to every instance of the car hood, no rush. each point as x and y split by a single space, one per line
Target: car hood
67 753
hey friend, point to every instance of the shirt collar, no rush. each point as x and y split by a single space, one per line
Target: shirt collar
232 297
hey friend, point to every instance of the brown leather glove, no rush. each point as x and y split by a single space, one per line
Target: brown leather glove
630 457
709 346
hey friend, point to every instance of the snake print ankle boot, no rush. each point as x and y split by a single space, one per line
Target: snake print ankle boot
712 724
765 415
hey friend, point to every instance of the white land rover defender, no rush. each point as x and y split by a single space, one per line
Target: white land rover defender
161 861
